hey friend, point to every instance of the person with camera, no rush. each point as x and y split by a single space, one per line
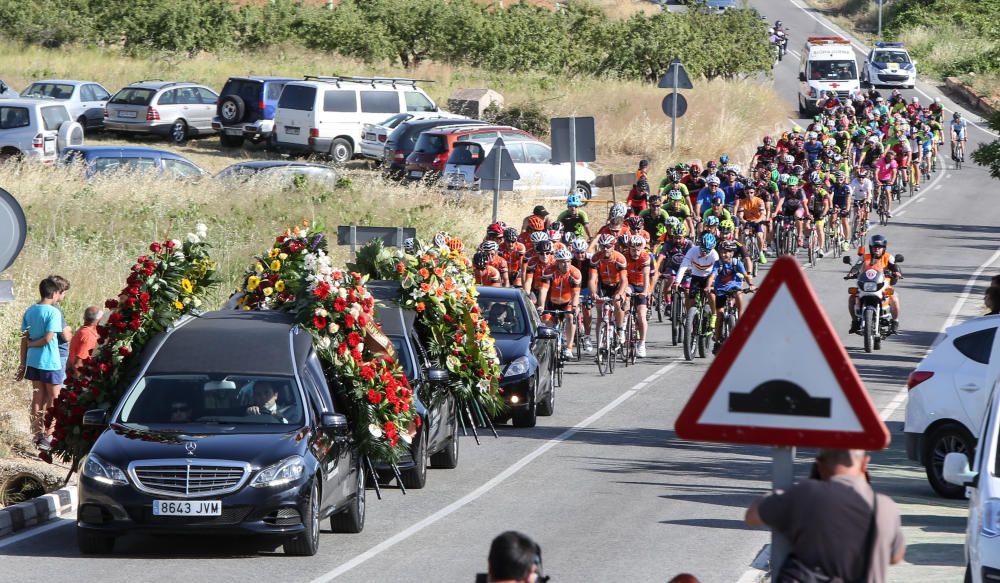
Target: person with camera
514 558
839 529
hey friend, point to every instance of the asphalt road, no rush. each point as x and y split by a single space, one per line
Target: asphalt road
604 485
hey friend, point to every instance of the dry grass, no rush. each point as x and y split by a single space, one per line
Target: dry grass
91 232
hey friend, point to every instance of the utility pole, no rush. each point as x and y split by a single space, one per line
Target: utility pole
880 3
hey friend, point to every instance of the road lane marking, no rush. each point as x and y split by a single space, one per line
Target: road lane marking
493 483
56 523
864 50
900 213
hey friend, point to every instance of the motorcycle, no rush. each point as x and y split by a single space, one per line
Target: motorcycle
871 306
779 39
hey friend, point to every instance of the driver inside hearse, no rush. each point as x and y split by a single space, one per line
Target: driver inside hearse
265 401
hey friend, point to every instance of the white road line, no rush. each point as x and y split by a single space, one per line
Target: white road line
938 187
864 50
797 55
493 483
900 213
56 523
920 200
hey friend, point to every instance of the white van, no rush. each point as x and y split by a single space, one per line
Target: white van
325 115
827 66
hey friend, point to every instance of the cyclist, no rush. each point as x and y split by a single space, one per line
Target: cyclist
638 197
752 212
862 192
841 200
727 278
609 279
654 219
677 207
812 147
705 195
877 257
494 232
534 268
885 174
492 251
700 261
668 260
717 209
513 252
637 267
615 225
673 181
765 154
792 206
694 183
574 219
582 262
731 188
560 290
958 136
635 224
485 274
533 224
819 207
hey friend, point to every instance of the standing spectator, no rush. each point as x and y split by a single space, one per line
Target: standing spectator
84 340
992 300
839 506
515 558
67 333
540 212
40 363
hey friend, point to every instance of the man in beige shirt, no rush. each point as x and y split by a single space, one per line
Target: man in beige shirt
827 520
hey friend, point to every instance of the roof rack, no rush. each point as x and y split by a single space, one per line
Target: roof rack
338 79
149 81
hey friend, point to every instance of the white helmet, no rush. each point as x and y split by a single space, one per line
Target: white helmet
539 236
618 211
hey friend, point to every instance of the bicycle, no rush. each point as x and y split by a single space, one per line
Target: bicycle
752 247
560 324
631 345
785 238
884 192
657 303
678 296
585 304
606 342
898 186
859 227
958 153
730 314
696 326
810 241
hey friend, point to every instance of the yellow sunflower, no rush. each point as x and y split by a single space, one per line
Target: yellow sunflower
187 286
252 282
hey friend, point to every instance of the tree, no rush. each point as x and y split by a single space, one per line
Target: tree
989 154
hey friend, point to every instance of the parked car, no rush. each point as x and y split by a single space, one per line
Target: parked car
36 129
98 160
402 140
284 171
982 482
184 451
433 147
324 115
948 393
246 109
437 443
85 100
527 353
176 110
7 92
889 65
375 135
532 160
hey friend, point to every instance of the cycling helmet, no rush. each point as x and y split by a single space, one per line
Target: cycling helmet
678 230
536 223
768 140
712 221
456 245
673 176
606 240
711 164
728 246
877 241
812 135
563 254
829 142
495 230
695 169
789 159
579 246
793 181
914 99
655 199
480 260
815 163
510 234
727 225
708 241
636 241
675 195
797 170
839 174
724 159
574 200
489 247
712 180
409 245
618 211
539 236
543 246
772 166
816 178
568 237
634 223
957 115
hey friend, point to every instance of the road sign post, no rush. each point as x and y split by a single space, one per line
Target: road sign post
674 105
783 379
497 173
574 139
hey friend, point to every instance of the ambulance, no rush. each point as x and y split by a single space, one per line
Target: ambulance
827 66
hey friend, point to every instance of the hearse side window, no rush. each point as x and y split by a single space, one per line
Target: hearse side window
314 370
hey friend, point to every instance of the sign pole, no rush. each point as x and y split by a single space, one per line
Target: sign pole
496 190
880 2
675 65
572 155
782 478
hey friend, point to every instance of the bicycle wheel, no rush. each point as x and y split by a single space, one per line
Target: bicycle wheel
627 348
703 333
601 354
811 248
577 342
676 318
691 329
610 343
658 301
559 371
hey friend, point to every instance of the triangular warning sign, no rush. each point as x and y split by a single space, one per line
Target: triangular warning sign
783 377
505 170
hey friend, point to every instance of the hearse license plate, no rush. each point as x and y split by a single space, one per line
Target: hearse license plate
292 130
187 508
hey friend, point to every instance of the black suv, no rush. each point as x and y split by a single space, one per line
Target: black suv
246 109
229 428
437 443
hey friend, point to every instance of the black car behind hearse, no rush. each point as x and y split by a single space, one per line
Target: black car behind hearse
228 428
527 351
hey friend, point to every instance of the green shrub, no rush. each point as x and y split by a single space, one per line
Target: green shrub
530 117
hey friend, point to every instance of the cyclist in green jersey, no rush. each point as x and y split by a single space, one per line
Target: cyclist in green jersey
573 219
677 207
654 219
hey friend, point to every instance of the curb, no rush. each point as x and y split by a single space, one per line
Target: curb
959 88
18 517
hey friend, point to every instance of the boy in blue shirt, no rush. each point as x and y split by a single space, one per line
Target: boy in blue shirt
41 328
728 276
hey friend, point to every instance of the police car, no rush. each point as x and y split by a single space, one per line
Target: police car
889 65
